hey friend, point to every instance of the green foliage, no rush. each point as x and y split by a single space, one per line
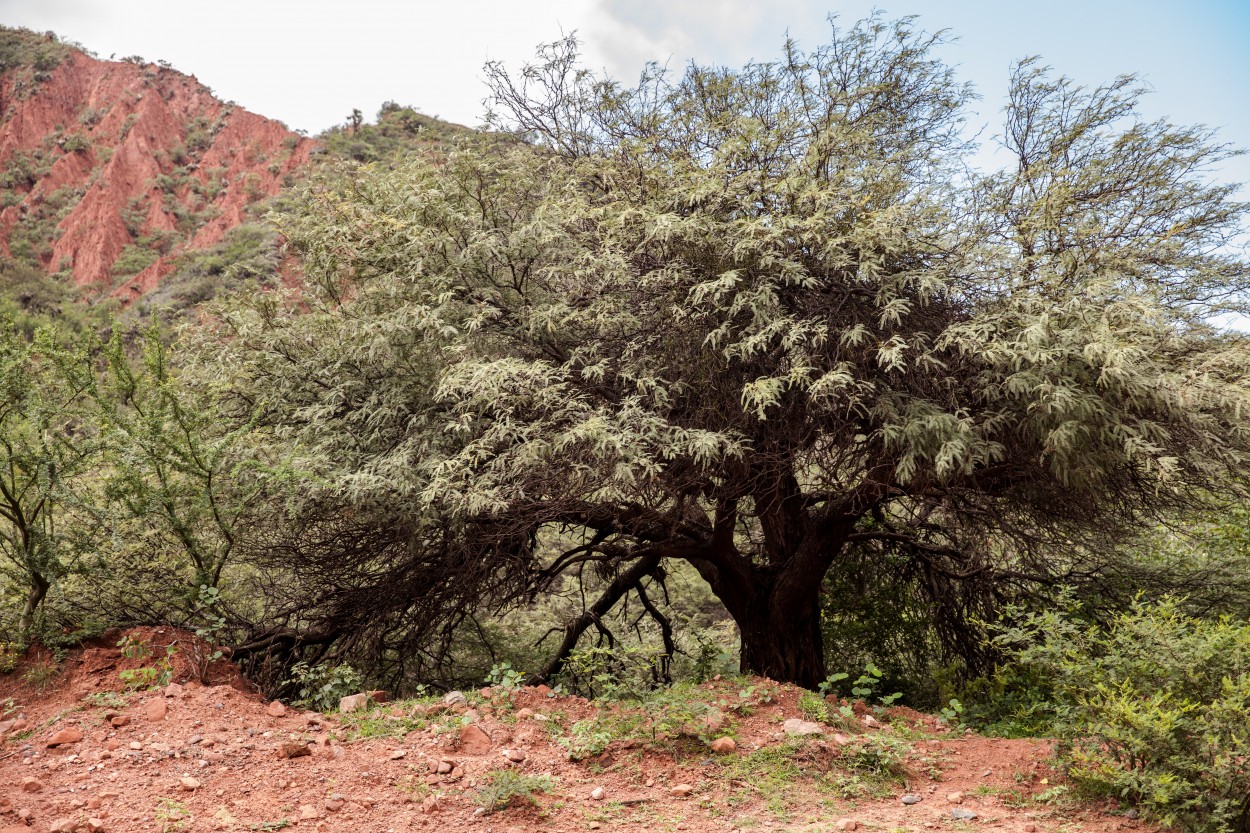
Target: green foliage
321 687
1153 709
503 675
732 319
133 259
146 676
502 787
48 518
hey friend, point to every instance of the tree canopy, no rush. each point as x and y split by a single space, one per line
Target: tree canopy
767 321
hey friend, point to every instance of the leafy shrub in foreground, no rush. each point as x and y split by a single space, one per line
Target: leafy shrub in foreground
1153 709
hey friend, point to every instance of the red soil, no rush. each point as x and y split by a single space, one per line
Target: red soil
202 757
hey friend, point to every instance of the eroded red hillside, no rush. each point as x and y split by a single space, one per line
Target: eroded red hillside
109 169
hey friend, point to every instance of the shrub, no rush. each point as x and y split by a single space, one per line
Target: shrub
504 786
1152 709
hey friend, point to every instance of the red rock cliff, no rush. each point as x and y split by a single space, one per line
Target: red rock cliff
108 170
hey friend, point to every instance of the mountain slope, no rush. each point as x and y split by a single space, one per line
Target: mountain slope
110 170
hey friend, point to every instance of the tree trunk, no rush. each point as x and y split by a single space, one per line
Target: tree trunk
781 636
34 597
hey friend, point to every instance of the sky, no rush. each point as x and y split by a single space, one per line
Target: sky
309 63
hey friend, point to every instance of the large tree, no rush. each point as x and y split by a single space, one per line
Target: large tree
764 320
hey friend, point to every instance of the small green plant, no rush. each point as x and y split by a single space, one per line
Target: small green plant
105 700
322 686
504 786
586 738
172 815
814 707
145 676
40 675
952 713
875 755
10 655
503 675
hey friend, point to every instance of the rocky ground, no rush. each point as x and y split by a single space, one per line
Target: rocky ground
80 751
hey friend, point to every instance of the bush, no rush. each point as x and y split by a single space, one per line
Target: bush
1152 709
502 787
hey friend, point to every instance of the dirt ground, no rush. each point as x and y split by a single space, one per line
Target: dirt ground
217 757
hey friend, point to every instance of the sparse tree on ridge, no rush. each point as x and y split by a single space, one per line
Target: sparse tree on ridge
758 320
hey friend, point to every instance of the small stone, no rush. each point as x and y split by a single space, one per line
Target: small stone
455 698
379 696
353 702
156 709
334 803
723 746
120 721
135 745
398 753
275 709
95 825
61 825
847 824
681 790
524 713
794 726
594 825
173 690
430 805
31 785
911 798
474 741
188 783
598 794
841 739
955 798
294 750
960 814
1030 827
70 734
987 773
871 722
444 767
515 755
307 812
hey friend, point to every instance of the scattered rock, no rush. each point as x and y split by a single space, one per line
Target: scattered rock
987 773
430 805
515 755
723 746
871 722
598 794
70 734
1030 827
156 709
307 812
334 803
294 750
961 814
911 798
173 690
474 741
681 790
444 767
521 714
955 798
61 826
353 702
455 698
31 785
379 696
794 726
120 720
275 709
398 753
188 783
95 825
713 721
847 824
841 739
